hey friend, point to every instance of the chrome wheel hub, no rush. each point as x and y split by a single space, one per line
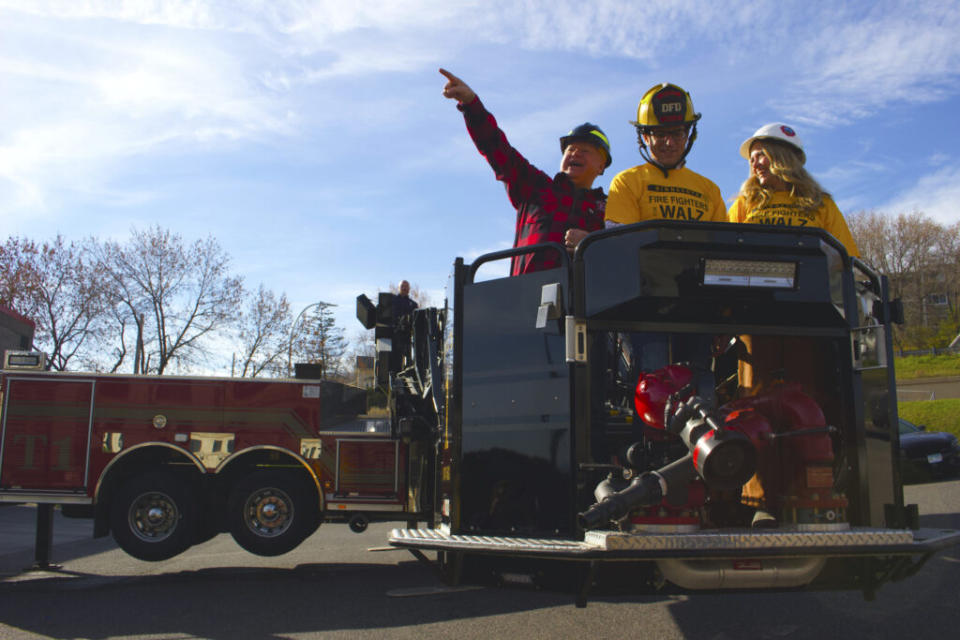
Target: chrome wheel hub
153 516
268 512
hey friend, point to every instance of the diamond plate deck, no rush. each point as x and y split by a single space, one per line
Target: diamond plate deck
436 539
748 539
732 543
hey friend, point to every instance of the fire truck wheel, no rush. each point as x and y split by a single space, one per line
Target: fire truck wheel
154 516
271 512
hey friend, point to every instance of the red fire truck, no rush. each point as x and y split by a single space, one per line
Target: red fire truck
164 462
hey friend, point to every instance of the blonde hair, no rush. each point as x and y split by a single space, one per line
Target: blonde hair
786 163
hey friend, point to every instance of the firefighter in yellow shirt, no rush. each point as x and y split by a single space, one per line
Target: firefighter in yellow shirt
663 188
780 191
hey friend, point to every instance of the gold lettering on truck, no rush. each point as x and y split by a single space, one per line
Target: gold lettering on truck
112 442
311 448
211 448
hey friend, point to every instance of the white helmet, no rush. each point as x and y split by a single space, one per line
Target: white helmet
774 131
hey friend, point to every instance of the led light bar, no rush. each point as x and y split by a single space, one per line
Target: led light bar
24 360
749 273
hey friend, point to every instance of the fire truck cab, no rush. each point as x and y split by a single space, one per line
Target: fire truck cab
714 403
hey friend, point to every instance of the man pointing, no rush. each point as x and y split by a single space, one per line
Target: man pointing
562 208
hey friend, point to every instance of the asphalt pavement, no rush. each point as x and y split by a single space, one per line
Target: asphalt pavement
928 389
18 527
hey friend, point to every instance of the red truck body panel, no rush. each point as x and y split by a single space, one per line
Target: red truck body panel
61 432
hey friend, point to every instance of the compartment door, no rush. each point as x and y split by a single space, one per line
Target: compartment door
46 434
367 468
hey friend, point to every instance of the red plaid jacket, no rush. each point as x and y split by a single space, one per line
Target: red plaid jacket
546 207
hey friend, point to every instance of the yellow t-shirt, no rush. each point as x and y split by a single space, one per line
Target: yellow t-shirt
642 193
782 210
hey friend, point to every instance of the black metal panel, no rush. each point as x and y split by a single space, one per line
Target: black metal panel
653 275
881 428
446 501
16 331
516 442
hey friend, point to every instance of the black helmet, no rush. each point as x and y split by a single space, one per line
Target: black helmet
591 133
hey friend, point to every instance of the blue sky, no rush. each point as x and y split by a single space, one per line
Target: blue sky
311 138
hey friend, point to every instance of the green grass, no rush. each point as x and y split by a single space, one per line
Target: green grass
936 415
911 367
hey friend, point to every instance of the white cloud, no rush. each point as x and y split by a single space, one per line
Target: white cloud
94 92
647 31
851 67
194 14
102 82
851 172
935 194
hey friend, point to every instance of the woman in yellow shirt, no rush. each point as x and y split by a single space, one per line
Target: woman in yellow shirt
780 191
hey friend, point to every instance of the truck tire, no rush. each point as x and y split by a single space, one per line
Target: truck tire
271 512
153 516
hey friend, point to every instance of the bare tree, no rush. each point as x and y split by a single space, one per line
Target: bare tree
361 344
18 275
264 330
114 351
919 256
176 295
948 255
57 285
322 342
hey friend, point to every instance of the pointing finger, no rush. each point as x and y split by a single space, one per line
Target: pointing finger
449 76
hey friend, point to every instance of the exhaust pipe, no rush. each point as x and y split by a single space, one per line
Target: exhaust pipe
757 573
